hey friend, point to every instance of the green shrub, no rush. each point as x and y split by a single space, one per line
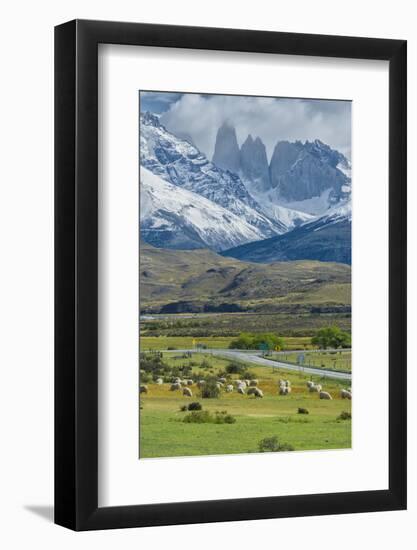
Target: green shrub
183 408
235 368
344 415
222 417
265 341
198 417
272 445
195 406
301 410
210 390
205 417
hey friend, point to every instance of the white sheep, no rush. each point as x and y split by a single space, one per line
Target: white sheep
241 390
229 388
345 394
159 381
143 389
190 382
310 384
325 395
187 392
257 392
253 382
175 386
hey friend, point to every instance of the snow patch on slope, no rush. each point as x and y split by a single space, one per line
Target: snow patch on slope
167 208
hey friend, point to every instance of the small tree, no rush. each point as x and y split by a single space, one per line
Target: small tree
331 337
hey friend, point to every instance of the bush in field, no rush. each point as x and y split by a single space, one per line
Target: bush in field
331 337
222 417
210 389
235 368
344 415
272 445
301 410
198 417
205 417
205 364
195 406
184 408
264 341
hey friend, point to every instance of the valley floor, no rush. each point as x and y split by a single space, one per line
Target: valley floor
163 432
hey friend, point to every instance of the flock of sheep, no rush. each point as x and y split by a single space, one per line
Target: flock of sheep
248 387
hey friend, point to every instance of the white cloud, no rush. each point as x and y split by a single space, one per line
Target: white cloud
272 119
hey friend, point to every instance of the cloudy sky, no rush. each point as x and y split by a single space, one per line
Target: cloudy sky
198 116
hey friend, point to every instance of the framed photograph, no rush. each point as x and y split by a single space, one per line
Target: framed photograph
230 275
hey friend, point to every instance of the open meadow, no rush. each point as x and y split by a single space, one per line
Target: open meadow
163 343
165 429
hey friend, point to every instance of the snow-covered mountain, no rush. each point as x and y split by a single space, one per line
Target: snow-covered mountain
182 164
171 217
305 177
327 238
281 209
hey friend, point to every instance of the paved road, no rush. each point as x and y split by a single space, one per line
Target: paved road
252 357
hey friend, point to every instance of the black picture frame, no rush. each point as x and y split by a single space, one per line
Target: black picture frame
76 272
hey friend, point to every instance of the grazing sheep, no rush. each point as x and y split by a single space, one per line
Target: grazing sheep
281 382
222 380
187 392
175 386
229 388
310 384
176 381
283 390
190 382
315 388
247 382
201 383
253 382
219 385
345 394
238 382
255 391
241 390
143 389
159 381
325 395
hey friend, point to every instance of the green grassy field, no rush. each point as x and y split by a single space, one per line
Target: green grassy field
338 361
163 432
148 343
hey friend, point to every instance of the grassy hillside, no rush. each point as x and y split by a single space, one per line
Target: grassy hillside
196 281
164 433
